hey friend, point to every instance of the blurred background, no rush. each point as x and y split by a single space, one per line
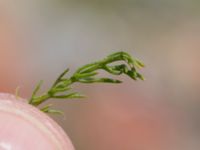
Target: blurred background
40 38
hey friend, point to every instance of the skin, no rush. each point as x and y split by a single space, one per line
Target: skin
23 127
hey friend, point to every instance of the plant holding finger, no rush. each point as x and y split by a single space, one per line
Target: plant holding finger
25 127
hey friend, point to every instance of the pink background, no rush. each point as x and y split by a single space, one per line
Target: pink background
40 38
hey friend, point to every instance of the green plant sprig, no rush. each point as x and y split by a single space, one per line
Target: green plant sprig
87 74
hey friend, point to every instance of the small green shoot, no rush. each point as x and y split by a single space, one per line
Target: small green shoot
61 88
